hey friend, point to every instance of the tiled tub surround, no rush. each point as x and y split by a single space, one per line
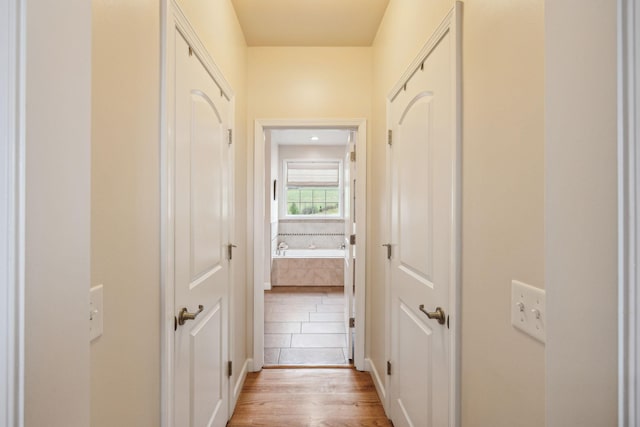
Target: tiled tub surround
305 268
305 326
321 234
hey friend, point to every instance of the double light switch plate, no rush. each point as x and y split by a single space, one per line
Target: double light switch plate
528 311
95 312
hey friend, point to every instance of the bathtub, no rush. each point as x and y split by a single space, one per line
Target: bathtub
308 267
309 253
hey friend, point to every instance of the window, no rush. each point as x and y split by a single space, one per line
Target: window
312 188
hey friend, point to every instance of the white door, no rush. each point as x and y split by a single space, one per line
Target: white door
201 206
423 147
348 177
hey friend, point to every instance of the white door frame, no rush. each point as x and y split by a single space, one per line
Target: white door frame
452 23
628 211
12 190
258 226
172 17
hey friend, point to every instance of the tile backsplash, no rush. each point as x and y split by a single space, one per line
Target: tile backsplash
321 234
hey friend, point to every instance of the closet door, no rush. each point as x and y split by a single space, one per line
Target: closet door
424 229
201 206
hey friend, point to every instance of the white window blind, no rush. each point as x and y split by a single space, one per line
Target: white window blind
313 174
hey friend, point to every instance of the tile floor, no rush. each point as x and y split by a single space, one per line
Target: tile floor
304 326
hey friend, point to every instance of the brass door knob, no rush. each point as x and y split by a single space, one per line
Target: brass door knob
437 315
185 315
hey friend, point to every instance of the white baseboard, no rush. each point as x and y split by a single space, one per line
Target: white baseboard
267 286
237 387
377 381
254 366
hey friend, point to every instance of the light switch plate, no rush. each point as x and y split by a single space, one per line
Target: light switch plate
528 311
95 312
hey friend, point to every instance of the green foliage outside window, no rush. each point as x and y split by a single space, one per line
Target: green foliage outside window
313 201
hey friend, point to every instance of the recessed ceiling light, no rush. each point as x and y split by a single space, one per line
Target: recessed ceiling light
314 138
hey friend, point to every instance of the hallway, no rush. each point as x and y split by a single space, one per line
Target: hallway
88 217
309 397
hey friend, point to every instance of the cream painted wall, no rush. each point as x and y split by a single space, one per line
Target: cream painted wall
581 213
503 216
125 361
502 212
309 82
57 113
125 255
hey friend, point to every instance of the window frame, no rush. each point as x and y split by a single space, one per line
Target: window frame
284 212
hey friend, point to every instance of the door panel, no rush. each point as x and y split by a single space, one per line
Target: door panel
207 363
200 198
414 182
415 344
206 201
422 168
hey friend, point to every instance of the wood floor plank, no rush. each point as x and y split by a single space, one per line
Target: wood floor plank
314 397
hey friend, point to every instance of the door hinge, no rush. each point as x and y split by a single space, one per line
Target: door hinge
175 323
190 51
352 239
388 367
230 136
230 247
390 137
353 156
229 368
352 322
388 246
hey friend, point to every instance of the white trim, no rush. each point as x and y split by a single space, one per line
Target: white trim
237 388
456 232
258 245
167 107
189 33
377 381
258 227
447 24
452 23
12 147
387 263
172 17
628 221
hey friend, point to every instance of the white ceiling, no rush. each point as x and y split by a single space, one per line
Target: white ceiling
303 136
310 22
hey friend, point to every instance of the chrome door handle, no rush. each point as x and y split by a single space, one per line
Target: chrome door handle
438 314
185 315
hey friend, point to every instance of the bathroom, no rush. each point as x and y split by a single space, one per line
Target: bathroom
308 215
307 206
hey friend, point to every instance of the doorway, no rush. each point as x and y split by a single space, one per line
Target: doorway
308 289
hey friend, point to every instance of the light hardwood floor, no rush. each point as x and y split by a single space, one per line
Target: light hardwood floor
309 397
